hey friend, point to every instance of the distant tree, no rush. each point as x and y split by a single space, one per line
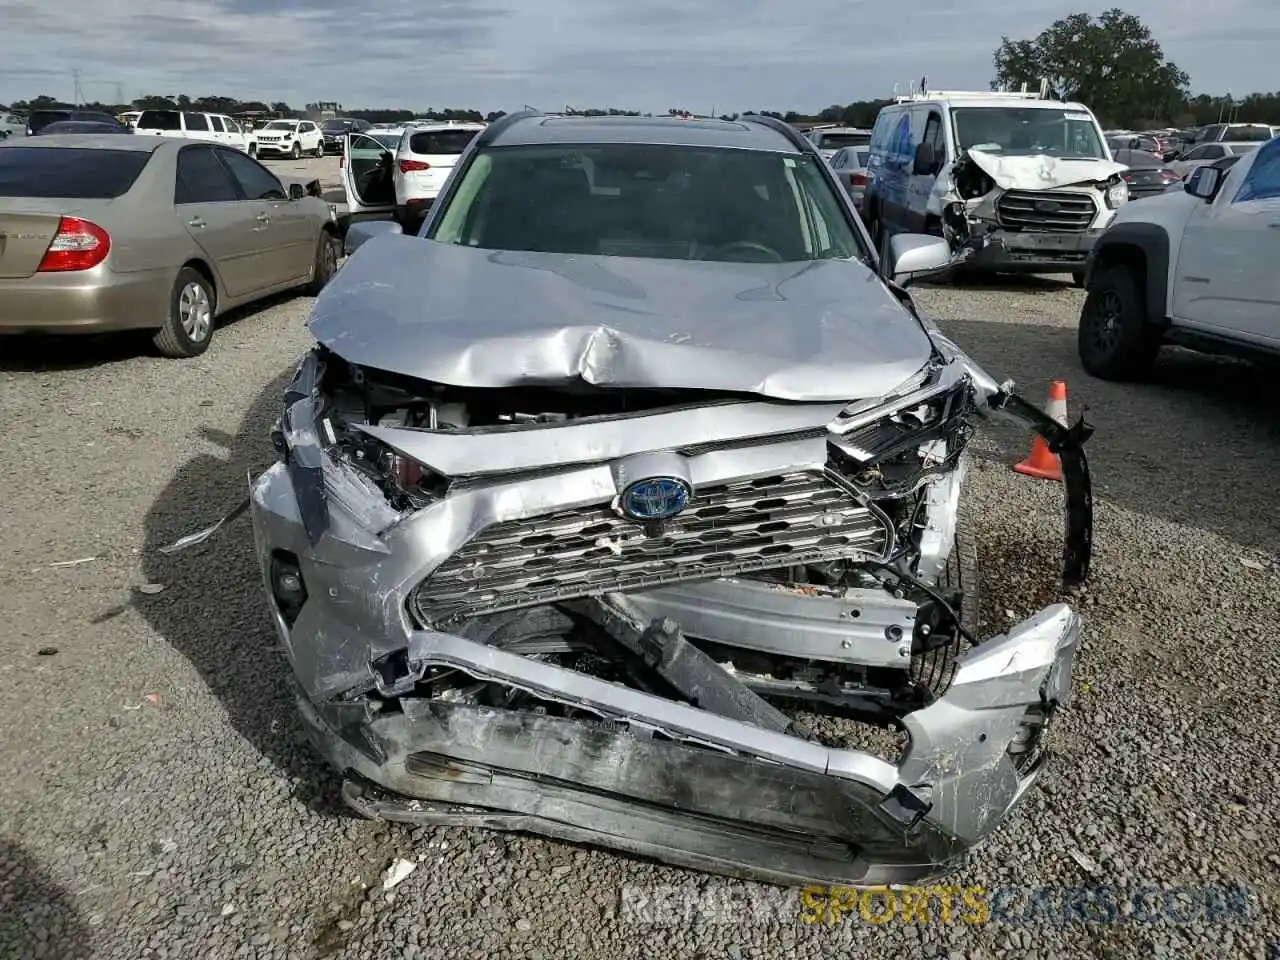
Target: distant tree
282 108
154 103
1111 63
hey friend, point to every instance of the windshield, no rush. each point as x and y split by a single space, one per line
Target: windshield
1248 132
281 125
1242 148
834 141
1024 131
338 125
653 201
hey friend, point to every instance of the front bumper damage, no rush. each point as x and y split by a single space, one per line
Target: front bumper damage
1024 214
480 720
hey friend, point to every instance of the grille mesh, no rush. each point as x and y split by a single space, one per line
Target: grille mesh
736 528
1028 210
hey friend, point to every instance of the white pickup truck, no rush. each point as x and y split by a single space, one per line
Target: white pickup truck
1195 267
193 125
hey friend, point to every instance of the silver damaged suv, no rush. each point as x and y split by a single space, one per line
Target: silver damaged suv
594 494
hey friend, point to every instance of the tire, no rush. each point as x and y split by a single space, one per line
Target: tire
1115 341
253 150
936 668
188 329
296 152
320 150
327 252
1077 279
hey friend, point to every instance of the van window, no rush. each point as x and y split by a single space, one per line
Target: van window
880 132
1026 131
935 137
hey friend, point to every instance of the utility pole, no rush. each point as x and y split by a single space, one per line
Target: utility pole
77 93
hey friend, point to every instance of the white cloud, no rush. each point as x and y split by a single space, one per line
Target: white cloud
500 54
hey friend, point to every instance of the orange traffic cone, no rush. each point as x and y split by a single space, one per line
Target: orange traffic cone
1042 463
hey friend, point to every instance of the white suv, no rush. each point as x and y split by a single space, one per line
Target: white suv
193 125
423 161
1195 267
290 138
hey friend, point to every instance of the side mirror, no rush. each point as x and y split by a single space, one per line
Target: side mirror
1205 182
297 191
915 255
925 161
363 231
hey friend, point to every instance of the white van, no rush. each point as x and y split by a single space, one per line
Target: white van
193 125
1014 182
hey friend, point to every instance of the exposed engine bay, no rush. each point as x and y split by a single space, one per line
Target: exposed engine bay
902 580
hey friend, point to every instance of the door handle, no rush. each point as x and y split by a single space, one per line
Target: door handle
195 222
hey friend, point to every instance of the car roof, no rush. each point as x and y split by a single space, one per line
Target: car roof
95 141
977 100
823 130
643 130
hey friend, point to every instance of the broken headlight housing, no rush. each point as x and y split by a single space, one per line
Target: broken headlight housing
890 447
1117 194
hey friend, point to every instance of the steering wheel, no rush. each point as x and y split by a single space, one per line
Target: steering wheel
770 255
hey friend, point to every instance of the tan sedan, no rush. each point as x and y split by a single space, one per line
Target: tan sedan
101 233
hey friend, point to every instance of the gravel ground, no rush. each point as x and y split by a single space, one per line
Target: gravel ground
156 800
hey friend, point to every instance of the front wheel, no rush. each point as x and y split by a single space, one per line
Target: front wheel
253 150
326 264
319 150
188 328
1077 279
296 152
1115 340
935 668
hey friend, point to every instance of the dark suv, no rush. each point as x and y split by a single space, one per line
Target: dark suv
335 131
39 119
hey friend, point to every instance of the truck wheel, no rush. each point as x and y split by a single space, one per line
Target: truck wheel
296 152
936 668
1115 340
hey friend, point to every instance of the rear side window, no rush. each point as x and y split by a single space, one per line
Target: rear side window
441 142
1248 133
202 179
217 124
40 119
160 120
77 174
196 121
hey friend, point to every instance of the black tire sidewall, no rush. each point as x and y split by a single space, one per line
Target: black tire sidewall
173 325
1128 352
321 276
296 152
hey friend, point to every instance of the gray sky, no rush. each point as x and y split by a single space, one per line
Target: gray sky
499 54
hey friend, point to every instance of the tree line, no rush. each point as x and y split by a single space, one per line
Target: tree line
1111 63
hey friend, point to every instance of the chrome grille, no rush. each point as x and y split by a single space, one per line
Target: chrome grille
736 528
1047 210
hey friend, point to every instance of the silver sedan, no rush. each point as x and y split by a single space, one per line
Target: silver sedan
103 233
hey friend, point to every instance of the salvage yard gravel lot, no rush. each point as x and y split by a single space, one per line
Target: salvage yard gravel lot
156 799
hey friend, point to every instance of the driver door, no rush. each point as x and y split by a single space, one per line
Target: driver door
1226 281
366 171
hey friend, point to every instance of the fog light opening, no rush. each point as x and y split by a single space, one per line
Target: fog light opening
1026 746
288 588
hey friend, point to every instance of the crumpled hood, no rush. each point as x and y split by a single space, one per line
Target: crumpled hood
1041 172
817 331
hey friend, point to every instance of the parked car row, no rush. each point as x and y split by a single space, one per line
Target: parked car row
108 233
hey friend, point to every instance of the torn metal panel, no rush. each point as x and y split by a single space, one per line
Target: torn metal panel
1043 172
780 330
720 809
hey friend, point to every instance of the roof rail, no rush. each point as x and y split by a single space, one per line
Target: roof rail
976 94
787 130
492 130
